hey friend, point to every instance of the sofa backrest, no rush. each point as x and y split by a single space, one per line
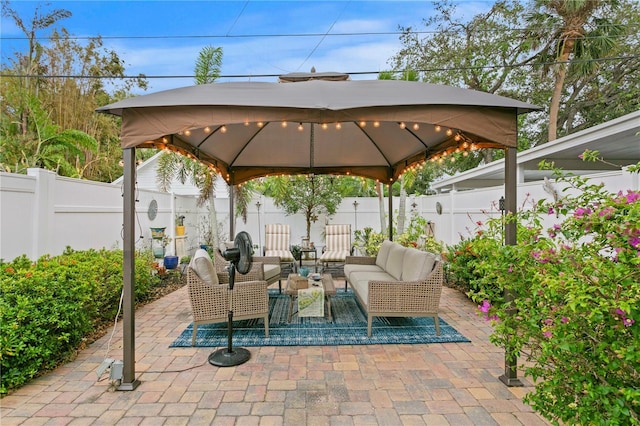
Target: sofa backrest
395 261
383 254
417 265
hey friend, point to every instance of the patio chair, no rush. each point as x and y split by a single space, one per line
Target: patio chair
210 300
262 268
338 245
277 243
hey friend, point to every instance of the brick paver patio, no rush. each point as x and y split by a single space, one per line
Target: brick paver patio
435 384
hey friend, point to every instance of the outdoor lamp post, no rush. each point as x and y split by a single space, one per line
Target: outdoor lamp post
355 214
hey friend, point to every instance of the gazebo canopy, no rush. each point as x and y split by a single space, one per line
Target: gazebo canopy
321 124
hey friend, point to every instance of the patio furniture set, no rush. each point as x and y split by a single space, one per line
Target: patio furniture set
398 282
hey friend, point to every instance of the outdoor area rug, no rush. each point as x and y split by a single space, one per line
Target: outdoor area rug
349 328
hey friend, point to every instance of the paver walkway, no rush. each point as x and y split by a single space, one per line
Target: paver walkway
434 384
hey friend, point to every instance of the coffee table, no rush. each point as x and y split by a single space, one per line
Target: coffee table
327 285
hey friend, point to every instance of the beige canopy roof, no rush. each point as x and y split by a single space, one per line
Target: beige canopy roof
372 128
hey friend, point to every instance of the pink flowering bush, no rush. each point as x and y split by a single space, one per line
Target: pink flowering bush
576 313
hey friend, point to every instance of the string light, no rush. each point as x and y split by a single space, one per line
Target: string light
300 127
260 124
283 124
376 124
223 129
416 126
338 126
449 132
324 126
437 128
402 125
207 129
187 132
363 123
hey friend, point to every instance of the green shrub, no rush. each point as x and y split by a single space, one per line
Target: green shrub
576 313
48 307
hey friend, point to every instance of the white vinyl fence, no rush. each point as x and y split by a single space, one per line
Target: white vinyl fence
42 213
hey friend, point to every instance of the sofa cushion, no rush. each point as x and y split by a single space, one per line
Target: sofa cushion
417 265
203 267
383 253
359 281
394 261
271 271
353 267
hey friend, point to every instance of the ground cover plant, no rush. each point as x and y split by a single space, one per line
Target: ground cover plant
49 307
575 274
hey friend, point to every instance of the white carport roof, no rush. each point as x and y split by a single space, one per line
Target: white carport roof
618 142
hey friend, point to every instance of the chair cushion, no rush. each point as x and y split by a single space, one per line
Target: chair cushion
383 253
276 237
334 256
202 265
271 271
338 238
417 265
284 255
395 261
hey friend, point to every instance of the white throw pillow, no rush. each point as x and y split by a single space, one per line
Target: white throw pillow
417 265
383 254
394 261
203 267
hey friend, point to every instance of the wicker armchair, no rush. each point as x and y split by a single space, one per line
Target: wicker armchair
265 268
210 300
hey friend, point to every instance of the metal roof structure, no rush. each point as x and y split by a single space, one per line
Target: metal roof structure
618 142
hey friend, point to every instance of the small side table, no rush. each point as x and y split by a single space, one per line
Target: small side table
309 250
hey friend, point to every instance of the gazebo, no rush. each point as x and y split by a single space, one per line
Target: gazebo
319 123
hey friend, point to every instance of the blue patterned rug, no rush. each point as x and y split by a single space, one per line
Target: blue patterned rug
349 328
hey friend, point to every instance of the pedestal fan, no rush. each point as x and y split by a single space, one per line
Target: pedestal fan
239 258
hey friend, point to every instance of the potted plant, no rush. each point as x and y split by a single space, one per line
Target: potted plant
184 262
180 225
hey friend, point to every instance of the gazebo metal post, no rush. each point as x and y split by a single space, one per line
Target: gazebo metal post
128 381
390 213
258 204
510 376
232 214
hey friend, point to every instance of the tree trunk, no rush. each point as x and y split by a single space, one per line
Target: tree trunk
383 222
557 90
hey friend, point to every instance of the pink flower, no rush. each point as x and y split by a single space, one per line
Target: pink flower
635 242
632 196
564 320
551 210
607 212
581 211
485 306
547 334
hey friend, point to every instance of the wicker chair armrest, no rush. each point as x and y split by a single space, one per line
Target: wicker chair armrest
207 300
361 260
250 297
272 260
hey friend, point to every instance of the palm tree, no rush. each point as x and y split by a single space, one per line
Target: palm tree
172 165
571 30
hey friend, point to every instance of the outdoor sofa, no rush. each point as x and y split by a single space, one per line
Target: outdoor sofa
398 282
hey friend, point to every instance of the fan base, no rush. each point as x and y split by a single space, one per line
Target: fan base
226 358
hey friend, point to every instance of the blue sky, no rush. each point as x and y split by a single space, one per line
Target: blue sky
257 37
